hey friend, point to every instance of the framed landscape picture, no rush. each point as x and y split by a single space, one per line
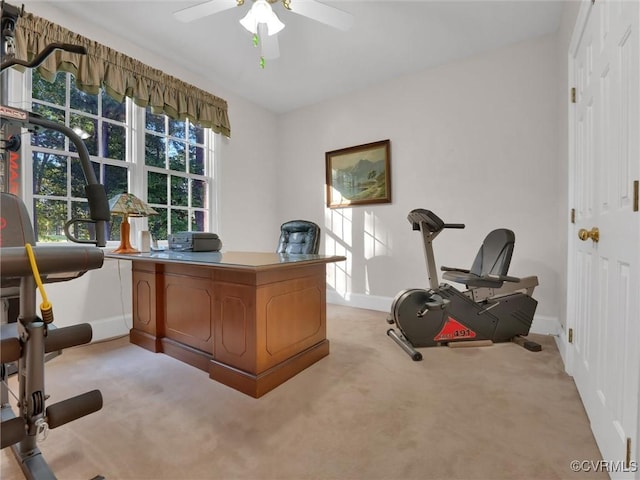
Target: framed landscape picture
359 175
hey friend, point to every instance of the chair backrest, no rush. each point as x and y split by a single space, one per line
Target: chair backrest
299 237
495 253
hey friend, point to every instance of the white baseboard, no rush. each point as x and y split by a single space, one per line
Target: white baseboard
359 300
542 324
562 343
113 327
545 325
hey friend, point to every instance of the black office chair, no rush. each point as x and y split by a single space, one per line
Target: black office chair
491 264
299 237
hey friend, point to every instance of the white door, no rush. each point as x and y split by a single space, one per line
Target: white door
604 272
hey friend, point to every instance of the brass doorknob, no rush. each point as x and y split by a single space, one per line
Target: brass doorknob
593 234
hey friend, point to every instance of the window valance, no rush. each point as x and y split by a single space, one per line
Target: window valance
120 76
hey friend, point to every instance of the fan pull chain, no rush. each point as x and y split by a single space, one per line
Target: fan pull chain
256 43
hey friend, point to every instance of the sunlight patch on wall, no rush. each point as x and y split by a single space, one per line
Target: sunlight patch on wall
376 242
338 241
376 237
340 223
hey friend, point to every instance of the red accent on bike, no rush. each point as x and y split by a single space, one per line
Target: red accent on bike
454 330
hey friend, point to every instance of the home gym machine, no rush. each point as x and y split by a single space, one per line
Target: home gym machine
25 266
495 308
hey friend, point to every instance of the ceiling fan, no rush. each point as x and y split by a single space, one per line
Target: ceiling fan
262 21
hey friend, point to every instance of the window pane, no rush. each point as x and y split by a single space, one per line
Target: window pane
154 151
115 180
89 126
179 191
51 92
49 174
114 141
198 221
177 156
48 138
177 128
82 231
158 224
157 188
113 228
179 221
198 193
51 216
82 101
78 181
155 123
196 160
112 109
196 134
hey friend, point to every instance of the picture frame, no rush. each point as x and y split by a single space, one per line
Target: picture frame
359 175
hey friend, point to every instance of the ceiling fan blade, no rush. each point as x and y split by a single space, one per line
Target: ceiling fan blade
322 13
205 9
269 46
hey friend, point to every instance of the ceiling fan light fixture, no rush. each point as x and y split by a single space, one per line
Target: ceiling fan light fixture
261 12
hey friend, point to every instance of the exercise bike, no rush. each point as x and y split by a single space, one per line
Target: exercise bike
495 307
23 265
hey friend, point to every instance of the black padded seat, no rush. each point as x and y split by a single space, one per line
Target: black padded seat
491 264
299 237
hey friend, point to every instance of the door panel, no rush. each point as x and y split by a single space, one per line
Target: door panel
604 274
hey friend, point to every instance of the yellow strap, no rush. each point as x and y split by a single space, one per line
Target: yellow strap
45 305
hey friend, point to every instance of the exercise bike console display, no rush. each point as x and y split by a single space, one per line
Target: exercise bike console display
495 307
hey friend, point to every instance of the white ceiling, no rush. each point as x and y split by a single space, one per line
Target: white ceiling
388 39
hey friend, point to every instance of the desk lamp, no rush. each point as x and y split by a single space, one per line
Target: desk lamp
128 205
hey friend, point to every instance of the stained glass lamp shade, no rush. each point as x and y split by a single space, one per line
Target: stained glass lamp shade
128 205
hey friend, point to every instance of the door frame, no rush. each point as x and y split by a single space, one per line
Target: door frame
584 13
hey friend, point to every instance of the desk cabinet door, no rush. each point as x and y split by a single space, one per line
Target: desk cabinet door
188 311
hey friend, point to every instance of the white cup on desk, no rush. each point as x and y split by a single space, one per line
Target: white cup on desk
144 241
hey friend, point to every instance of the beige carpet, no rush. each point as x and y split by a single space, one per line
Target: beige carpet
367 411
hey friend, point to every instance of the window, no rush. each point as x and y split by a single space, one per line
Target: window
58 181
174 176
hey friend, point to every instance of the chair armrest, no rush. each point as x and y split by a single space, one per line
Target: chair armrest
452 269
503 278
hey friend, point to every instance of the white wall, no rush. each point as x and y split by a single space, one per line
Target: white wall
475 141
100 297
246 181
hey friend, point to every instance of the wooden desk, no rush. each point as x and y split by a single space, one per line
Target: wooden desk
252 320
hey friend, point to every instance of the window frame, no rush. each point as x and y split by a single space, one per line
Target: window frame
20 96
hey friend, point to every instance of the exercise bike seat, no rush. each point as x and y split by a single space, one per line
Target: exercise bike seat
491 264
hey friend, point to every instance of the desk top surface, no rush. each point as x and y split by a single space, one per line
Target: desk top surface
250 260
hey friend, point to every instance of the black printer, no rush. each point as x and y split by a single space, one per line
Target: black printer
195 242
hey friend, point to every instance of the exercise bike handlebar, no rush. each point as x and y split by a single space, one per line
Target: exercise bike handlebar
430 220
